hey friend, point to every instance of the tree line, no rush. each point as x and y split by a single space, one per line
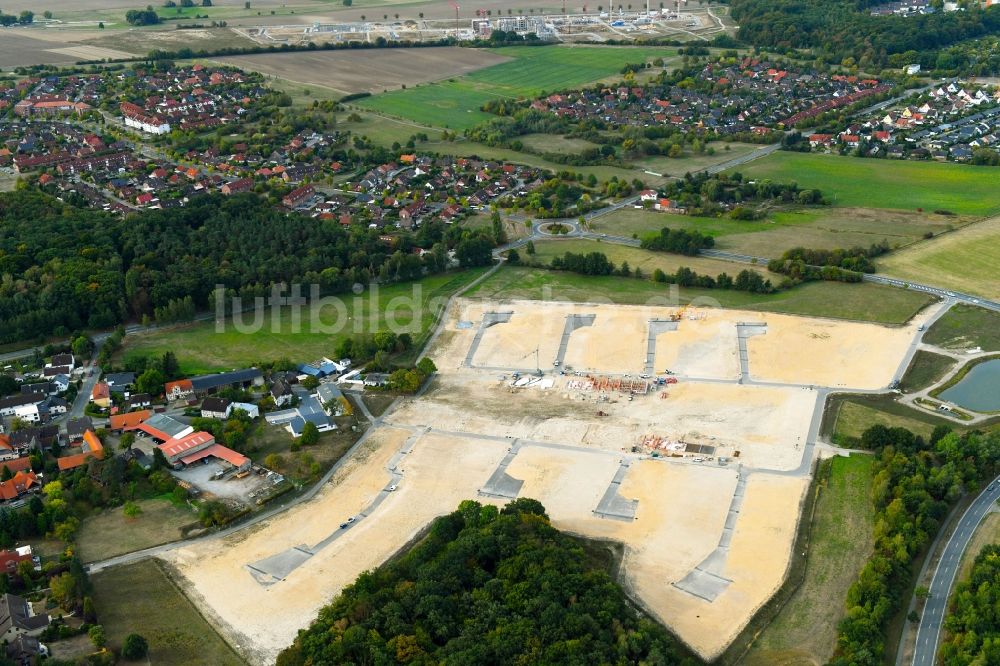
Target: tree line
486 586
802 265
916 483
973 622
678 241
597 263
845 32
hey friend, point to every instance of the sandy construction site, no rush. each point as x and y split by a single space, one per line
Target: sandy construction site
700 473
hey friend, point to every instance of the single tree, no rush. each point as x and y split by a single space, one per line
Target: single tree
96 633
310 434
132 510
135 646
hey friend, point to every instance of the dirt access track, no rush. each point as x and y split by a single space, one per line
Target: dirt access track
701 479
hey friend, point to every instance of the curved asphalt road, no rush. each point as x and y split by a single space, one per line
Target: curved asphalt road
929 630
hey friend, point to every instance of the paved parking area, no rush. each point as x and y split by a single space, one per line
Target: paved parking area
200 476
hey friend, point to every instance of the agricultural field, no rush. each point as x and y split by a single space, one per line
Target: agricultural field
141 598
200 348
869 183
966 327
449 104
805 630
21 47
965 260
87 13
369 70
862 302
384 131
455 103
141 41
818 228
111 533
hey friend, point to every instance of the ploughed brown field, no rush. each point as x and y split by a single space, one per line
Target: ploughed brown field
368 70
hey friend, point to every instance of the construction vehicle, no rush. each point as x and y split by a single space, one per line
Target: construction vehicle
677 316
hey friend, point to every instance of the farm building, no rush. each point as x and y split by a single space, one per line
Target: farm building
92 448
129 421
182 446
207 384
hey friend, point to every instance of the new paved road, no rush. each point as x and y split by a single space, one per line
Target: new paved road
929 631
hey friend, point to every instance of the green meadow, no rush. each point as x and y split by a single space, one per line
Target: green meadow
874 183
455 103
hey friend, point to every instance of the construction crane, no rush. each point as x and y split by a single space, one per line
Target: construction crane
538 367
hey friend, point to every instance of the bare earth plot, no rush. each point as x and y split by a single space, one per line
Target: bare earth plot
142 41
965 260
701 480
23 47
368 70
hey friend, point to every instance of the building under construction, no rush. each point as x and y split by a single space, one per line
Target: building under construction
619 384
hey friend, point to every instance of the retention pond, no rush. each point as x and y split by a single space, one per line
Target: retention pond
979 390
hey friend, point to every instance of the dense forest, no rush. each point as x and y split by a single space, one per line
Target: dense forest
60 268
64 268
974 622
486 586
916 483
845 31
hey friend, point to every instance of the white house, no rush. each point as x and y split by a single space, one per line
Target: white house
252 410
215 408
148 125
9 406
27 413
60 383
